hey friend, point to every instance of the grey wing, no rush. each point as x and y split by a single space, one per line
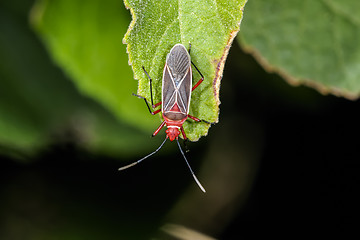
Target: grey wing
178 61
184 92
168 90
173 93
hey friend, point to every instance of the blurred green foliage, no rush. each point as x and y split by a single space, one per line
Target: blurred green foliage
315 43
40 106
86 41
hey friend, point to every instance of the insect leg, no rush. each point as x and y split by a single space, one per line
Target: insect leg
201 79
152 101
183 133
199 120
148 106
185 139
202 76
158 129
150 80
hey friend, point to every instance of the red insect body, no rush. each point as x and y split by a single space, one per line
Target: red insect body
176 92
176 96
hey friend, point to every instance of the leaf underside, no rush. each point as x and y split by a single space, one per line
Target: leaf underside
210 27
307 42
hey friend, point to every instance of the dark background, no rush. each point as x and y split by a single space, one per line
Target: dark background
304 181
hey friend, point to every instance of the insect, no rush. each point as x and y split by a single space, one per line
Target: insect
175 100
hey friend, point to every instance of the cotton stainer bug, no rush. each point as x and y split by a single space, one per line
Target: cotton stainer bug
176 95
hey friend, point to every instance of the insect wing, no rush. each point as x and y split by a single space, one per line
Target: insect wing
177 80
168 90
184 92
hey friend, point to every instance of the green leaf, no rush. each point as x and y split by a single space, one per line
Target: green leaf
39 106
209 26
85 39
315 43
27 103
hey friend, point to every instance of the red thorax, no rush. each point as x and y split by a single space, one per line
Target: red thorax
172 133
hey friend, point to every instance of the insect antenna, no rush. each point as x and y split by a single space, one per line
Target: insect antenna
192 172
138 161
